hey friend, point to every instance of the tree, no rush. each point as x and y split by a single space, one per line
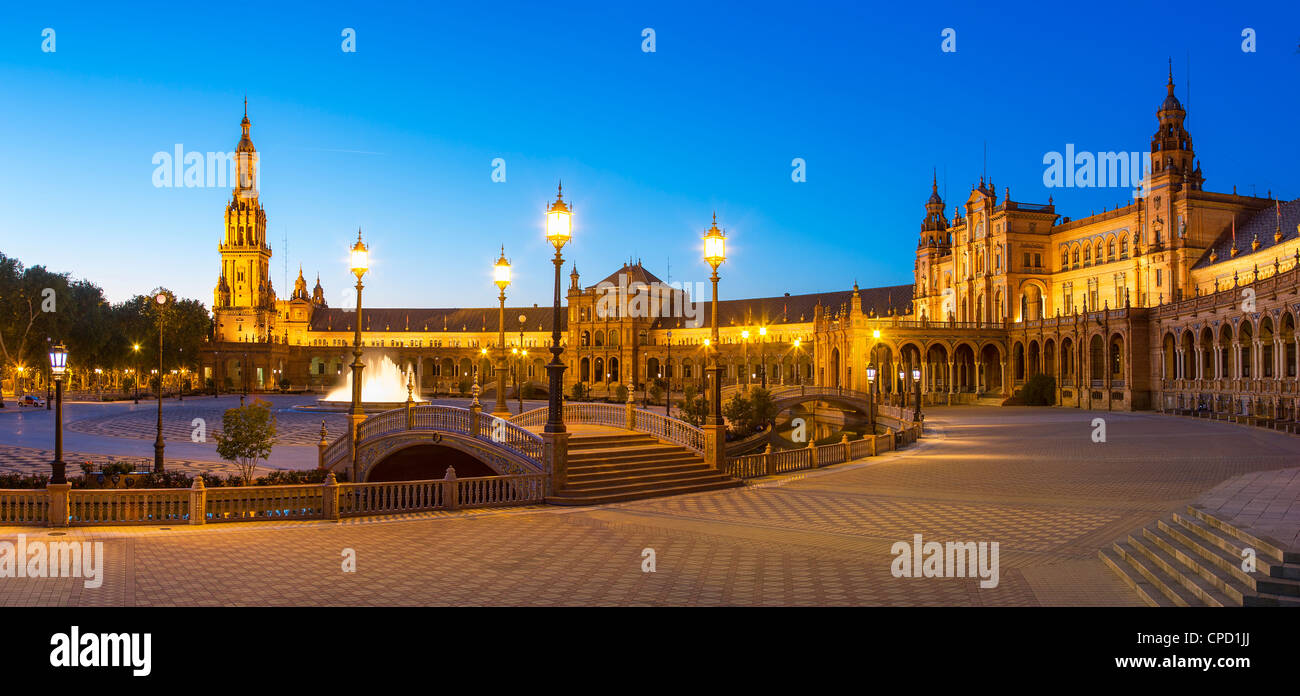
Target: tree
655 391
247 436
620 394
693 408
579 391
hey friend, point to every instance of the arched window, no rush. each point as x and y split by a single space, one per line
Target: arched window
1065 259
1123 247
600 338
586 338
1110 250
1087 256
1076 257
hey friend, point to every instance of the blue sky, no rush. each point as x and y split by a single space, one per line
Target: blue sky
398 137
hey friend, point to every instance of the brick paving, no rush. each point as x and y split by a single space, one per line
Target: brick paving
29 460
1030 479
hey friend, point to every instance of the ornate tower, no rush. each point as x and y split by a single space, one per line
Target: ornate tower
244 300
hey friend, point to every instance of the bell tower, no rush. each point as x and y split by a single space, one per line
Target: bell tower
244 299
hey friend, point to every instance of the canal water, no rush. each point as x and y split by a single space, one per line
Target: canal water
822 423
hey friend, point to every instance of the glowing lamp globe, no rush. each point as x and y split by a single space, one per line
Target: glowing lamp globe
360 261
559 221
501 271
58 360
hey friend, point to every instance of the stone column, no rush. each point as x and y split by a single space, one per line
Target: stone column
57 510
715 447
330 495
555 458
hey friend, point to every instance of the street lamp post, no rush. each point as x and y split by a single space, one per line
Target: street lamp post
559 229
58 367
797 342
715 253
160 299
744 353
916 381
871 399
762 354
668 372
135 382
501 276
523 355
360 262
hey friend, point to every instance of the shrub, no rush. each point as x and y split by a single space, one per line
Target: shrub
579 391
1040 390
620 394
655 392
526 390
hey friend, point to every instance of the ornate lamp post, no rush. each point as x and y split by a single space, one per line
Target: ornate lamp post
916 380
715 253
668 372
136 382
762 354
871 390
58 367
559 229
160 299
360 263
902 388
523 355
744 348
501 276
797 343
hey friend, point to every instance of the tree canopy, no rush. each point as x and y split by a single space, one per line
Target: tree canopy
39 308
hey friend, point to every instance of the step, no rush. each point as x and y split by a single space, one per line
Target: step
589 498
1232 548
1168 587
640 481
589 441
1199 570
601 473
1144 589
1262 546
1202 589
634 485
1268 599
629 454
679 457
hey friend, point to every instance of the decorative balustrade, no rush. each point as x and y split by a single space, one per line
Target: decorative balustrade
24 507
244 503
115 506
199 505
616 416
506 433
678 432
783 461
510 435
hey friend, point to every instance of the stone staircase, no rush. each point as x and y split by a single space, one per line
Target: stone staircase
618 467
1195 559
990 400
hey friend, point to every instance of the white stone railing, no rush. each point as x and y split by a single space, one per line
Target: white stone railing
813 456
504 433
676 431
24 507
60 507
622 416
252 503
114 506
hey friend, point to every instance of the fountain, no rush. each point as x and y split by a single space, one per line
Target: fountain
383 387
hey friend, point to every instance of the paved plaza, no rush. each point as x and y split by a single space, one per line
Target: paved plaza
1030 479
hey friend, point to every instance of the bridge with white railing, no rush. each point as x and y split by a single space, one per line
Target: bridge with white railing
505 447
787 396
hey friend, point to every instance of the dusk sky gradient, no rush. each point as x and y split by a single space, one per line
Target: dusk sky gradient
398 137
